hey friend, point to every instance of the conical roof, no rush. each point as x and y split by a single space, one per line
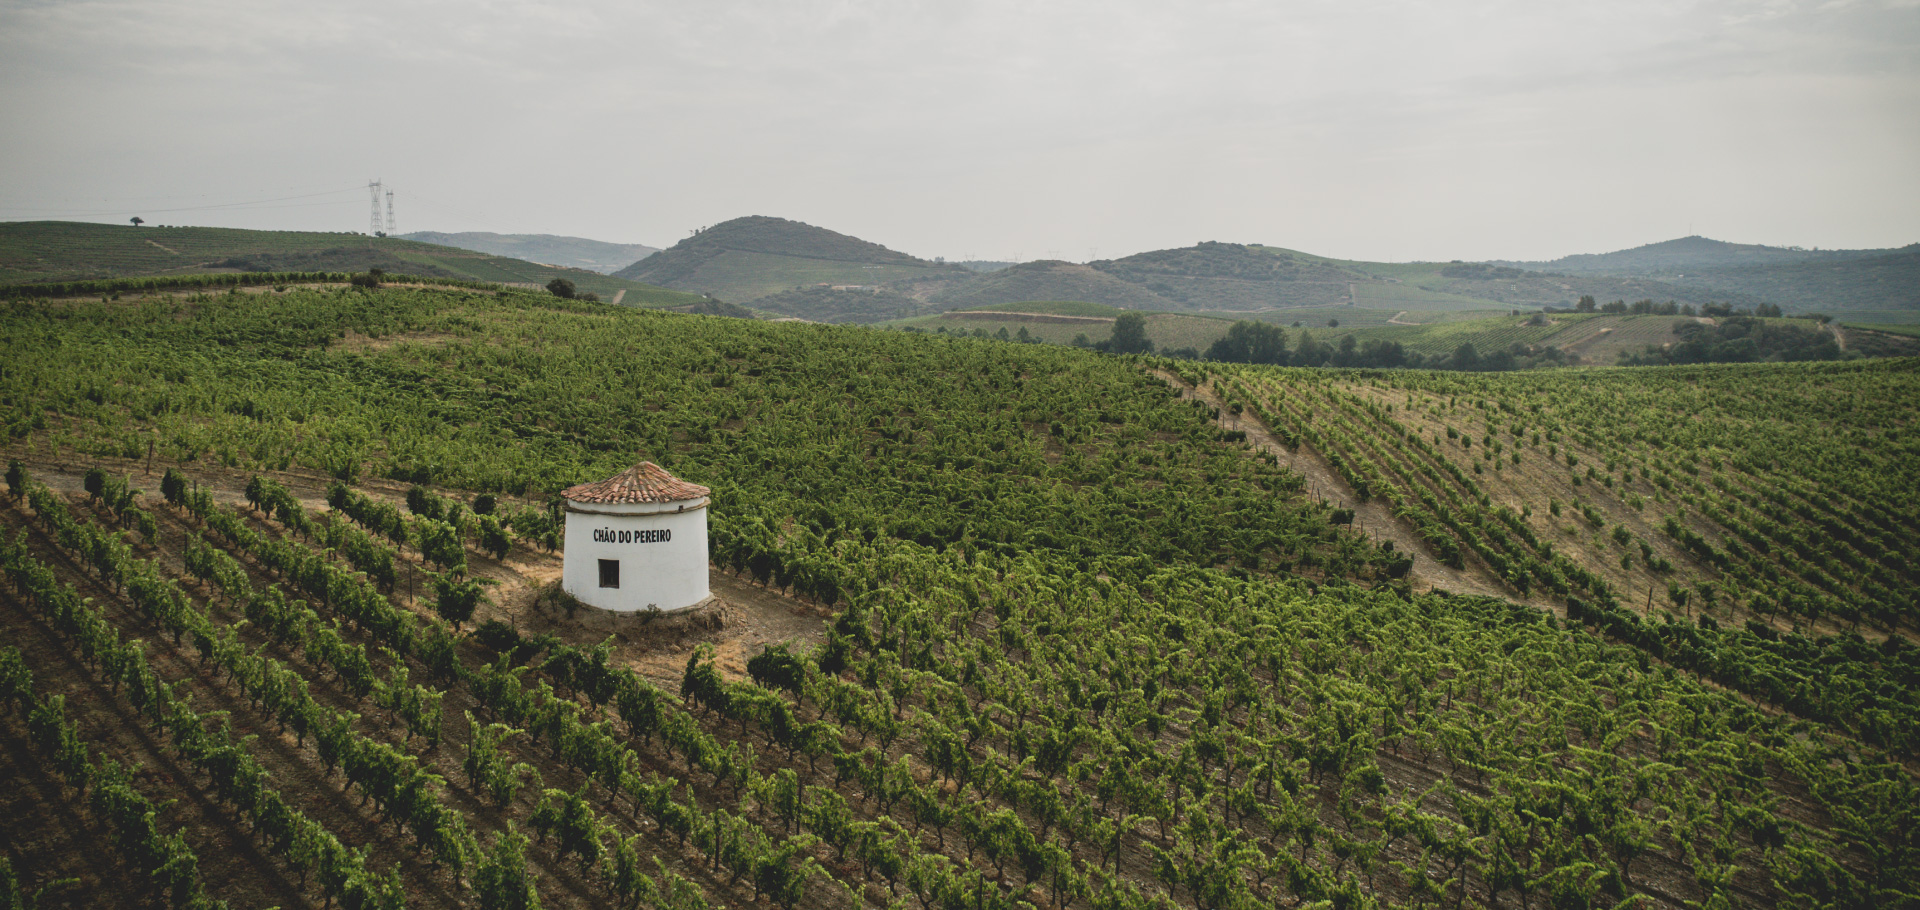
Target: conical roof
644 482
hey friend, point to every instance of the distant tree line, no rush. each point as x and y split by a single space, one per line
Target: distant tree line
1736 337
1739 339
1670 308
1264 343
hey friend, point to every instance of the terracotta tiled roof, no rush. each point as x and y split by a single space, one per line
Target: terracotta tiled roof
644 482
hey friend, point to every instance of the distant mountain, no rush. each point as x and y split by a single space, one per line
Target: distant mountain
1879 284
814 273
551 249
41 251
745 259
1883 287
1236 277
1250 278
1672 257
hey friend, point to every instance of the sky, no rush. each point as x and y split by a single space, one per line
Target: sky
983 130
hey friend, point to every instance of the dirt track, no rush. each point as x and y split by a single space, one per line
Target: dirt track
1372 517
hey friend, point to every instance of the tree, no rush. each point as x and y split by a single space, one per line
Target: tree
1465 357
561 287
137 220
1251 342
1130 335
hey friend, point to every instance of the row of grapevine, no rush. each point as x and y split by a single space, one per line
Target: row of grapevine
304 844
167 859
1871 692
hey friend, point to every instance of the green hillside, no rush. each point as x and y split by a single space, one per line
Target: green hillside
1168 331
1000 626
1352 317
825 304
1870 288
1866 285
749 258
566 252
1053 308
43 251
1232 276
1534 339
1051 280
1591 338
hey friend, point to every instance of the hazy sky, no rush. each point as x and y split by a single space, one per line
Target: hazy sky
1437 130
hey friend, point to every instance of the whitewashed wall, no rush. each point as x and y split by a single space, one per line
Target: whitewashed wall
670 573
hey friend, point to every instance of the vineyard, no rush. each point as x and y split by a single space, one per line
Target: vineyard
52 251
1699 494
1086 648
1591 337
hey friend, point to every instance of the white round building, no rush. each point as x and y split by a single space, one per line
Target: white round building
637 539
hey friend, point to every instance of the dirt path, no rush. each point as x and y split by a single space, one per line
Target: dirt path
1396 320
1011 316
618 296
1373 518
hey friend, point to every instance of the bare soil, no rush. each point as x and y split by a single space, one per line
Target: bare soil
1372 518
742 618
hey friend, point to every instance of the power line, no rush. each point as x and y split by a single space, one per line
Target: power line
195 208
159 198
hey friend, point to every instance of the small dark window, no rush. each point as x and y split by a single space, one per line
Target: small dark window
609 573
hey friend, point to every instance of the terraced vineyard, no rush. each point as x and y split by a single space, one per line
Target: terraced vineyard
1086 649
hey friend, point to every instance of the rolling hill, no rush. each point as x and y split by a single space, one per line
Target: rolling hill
566 252
748 259
1250 278
1868 285
1673 257
1048 279
42 251
825 304
745 259
1875 288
